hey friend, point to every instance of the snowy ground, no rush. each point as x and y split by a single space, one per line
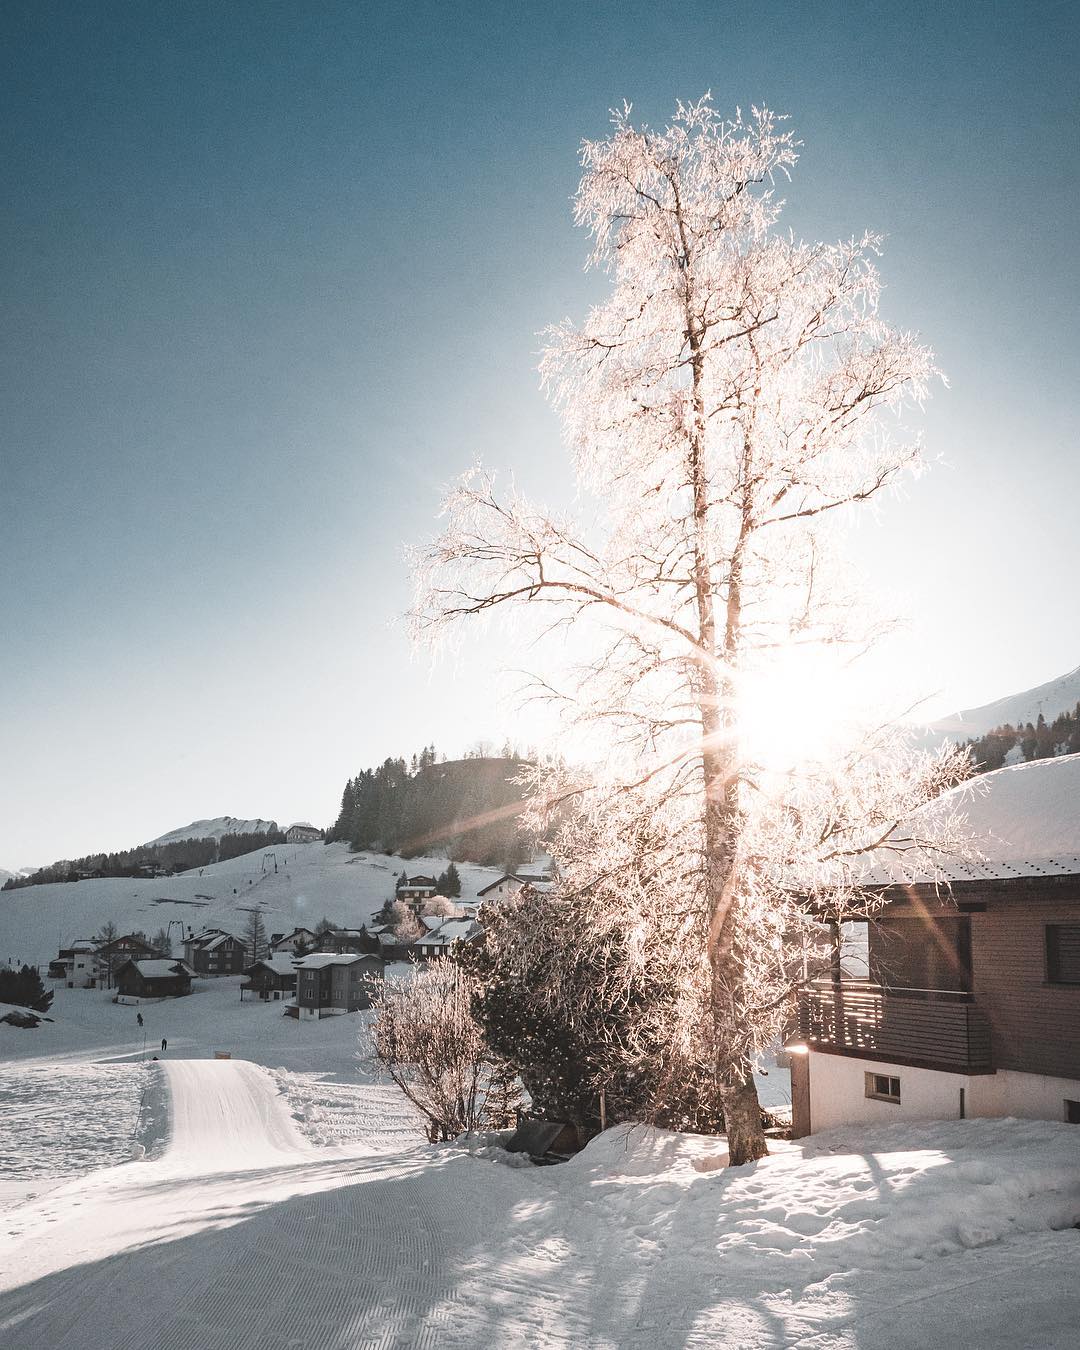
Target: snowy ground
294 1204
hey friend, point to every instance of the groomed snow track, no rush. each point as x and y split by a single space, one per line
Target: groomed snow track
242 1236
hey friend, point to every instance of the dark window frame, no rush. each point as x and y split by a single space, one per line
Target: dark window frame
879 1087
1051 943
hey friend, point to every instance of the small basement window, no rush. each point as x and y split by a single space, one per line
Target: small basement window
1072 1112
1063 953
881 1088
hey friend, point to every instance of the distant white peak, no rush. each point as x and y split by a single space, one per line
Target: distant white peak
1056 696
216 828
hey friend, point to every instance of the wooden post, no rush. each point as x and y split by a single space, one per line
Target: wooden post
603 1110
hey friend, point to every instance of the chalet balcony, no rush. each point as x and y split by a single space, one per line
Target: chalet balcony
929 1028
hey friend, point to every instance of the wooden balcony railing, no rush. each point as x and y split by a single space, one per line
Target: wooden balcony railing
934 1028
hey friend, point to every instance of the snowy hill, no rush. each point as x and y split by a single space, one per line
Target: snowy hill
1056 696
216 828
293 884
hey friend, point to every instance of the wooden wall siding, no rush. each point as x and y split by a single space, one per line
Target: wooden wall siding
860 1019
1035 1025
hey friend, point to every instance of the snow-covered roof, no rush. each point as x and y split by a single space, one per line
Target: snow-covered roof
450 930
279 963
291 937
1024 820
538 881
161 969
317 960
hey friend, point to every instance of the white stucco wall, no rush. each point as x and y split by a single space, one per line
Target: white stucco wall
1032 1096
838 1095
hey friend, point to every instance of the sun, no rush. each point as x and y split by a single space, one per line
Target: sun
798 708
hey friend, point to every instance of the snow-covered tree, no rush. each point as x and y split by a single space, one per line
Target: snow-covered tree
438 906
734 397
402 919
425 1036
567 999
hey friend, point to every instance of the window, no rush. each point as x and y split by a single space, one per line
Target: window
881 1088
1063 953
1072 1112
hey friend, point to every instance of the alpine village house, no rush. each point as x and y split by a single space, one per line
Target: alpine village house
960 999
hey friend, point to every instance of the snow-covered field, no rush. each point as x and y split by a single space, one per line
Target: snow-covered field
294 1204
310 880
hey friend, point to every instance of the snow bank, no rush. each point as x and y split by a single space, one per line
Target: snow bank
884 1199
63 1120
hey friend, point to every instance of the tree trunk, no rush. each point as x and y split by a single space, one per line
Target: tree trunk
738 1092
742 1116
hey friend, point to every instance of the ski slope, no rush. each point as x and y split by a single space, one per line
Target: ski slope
294 885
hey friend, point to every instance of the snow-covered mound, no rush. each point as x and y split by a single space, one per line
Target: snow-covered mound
1056 696
1024 819
216 828
293 884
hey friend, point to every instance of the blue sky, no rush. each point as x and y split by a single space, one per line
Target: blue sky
274 273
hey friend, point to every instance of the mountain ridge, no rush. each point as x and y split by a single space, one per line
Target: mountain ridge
215 827
1056 696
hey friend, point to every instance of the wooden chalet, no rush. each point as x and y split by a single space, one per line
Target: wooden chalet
215 952
961 1000
161 978
441 935
512 882
291 942
330 983
415 890
302 833
270 979
112 955
356 940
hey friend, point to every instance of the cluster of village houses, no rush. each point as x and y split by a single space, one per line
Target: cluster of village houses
315 976
957 1000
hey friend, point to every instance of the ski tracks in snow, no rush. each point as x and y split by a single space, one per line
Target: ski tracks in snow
242 1236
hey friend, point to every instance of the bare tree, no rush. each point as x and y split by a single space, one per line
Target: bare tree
161 942
425 1036
734 398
